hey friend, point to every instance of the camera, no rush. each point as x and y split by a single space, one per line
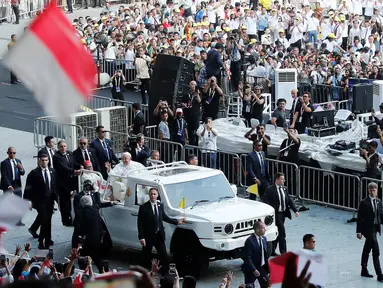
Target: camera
2 260
82 262
88 186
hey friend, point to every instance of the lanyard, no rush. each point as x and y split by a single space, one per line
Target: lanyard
182 124
118 80
211 94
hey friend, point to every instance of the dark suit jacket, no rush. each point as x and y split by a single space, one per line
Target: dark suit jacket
65 171
35 187
253 167
141 156
366 216
79 159
90 226
271 197
102 159
7 175
45 151
146 221
252 258
139 124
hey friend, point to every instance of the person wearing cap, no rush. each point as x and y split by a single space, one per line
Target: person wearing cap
330 43
312 25
180 128
282 39
274 25
211 96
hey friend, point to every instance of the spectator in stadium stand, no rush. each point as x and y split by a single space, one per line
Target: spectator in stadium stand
257 104
278 118
142 63
118 83
372 159
104 151
191 106
138 126
163 106
211 96
294 96
140 153
192 160
214 62
209 141
259 136
49 149
303 113
63 162
289 149
256 169
16 10
85 153
163 127
40 189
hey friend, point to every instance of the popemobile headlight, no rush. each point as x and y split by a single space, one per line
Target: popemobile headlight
229 228
269 220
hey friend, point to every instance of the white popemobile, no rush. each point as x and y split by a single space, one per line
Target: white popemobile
217 221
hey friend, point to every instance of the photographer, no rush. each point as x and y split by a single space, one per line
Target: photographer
233 50
140 153
288 151
257 104
211 95
4 265
302 114
142 63
259 136
117 81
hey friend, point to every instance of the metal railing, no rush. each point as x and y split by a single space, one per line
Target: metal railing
110 66
364 187
47 126
97 102
227 162
169 151
327 93
334 189
290 170
128 105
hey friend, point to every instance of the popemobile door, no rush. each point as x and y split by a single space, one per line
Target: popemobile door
116 217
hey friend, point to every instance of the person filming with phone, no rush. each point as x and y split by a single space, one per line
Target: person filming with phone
211 95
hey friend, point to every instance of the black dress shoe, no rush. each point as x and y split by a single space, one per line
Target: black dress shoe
49 243
20 224
366 274
274 254
41 246
33 233
380 279
68 224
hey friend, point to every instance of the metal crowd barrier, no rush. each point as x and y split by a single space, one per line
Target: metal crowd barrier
128 105
326 93
110 66
47 126
227 162
169 151
334 189
364 187
99 102
273 166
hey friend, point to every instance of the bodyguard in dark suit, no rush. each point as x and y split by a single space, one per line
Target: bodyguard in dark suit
66 180
104 150
11 172
278 197
255 266
40 189
49 149
140 153
256 167
151 231
138 120
370 217
84 153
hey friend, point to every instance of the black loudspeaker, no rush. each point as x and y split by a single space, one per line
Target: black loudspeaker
362 98
170 81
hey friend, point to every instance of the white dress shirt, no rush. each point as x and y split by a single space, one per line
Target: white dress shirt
49 176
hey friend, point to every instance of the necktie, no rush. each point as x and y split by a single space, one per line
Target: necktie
51 153
375 212
262 251
106 152
86 157
16 170
46 179
282 199
156 216
67 158
262 164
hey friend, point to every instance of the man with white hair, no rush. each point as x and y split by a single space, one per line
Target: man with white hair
127 165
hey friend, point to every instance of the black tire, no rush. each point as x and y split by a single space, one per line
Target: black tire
191 260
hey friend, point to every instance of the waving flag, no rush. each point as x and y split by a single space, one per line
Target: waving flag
51 61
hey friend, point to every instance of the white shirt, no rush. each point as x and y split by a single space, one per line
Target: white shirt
13 165
312 24
209 140
281 197
260 243
211 16
85 151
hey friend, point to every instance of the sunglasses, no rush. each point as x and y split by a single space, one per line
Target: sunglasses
102 131
11 152
83 143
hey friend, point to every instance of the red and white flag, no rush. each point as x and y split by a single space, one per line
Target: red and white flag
51 61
